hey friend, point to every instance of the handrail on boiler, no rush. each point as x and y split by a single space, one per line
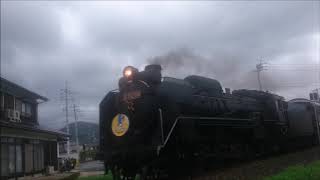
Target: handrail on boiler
164 142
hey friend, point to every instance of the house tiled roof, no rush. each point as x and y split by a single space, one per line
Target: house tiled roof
19 91
34 128
23 93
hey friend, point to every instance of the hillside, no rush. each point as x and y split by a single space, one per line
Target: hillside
88 132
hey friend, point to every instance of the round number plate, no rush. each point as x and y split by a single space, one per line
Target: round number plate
120 125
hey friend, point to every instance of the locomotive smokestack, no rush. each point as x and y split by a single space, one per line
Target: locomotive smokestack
154 71
153 68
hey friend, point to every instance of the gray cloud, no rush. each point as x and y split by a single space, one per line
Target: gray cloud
30 25
43 44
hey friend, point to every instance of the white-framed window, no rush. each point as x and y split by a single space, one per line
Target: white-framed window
26 109
8 101
23 107
18 105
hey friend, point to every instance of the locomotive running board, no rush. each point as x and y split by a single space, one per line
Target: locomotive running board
164 141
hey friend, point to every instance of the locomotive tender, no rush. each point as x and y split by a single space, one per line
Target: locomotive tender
153 121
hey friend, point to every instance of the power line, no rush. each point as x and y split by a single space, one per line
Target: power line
261 66
291 64
296 70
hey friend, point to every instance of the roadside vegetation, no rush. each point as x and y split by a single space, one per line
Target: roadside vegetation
100 177
299 172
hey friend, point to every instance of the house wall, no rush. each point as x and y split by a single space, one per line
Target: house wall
26 152
28 109
24 148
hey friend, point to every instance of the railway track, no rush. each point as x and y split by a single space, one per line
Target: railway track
256 169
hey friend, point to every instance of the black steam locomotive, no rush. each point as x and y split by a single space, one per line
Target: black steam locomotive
151 122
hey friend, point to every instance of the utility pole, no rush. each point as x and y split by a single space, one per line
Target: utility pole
65 96
259 69
67 119
76 125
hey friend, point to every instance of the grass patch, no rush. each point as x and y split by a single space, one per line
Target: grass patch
100 177
74 176
299 172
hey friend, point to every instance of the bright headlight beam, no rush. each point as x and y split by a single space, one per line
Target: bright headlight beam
128 72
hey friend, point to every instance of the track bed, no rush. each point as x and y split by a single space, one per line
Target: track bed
256 169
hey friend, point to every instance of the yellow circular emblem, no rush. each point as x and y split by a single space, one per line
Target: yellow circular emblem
120 124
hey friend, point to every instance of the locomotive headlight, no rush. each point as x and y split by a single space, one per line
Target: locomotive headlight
129 71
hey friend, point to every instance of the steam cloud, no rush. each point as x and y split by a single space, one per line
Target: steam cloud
227 69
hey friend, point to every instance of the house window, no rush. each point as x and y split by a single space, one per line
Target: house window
18 159
26 108
18 105
23 107
12 163
8 101
11 156
1 100
28 158
15 159
38 157
4 159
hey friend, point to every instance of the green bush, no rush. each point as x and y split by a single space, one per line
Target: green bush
299 172
101 177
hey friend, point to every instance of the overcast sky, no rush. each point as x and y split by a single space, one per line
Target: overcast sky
43 44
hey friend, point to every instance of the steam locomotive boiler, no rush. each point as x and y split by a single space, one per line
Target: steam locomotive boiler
151 122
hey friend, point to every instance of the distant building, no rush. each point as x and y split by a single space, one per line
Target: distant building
26 147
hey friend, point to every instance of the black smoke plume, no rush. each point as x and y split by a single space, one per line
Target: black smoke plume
225 68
